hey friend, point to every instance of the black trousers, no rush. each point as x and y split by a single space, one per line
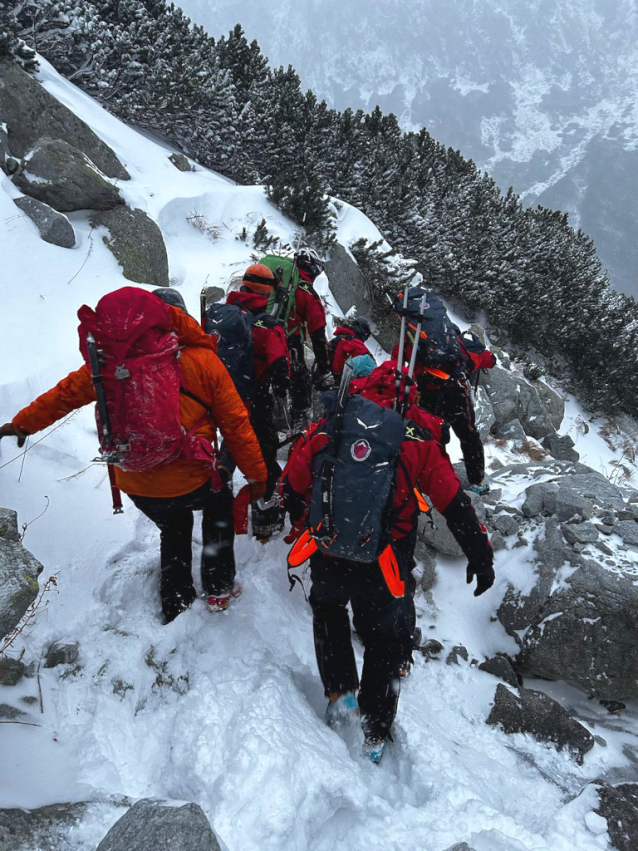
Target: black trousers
454 405
262 419
384 623
300 383
174 518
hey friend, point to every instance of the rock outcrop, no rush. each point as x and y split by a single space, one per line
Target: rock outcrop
54 227
31 113
19 572
150 825
137 243
535 713
579 622
61 176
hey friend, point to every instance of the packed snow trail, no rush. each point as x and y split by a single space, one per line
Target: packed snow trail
227 709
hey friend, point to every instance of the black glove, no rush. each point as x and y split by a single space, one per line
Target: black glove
484 576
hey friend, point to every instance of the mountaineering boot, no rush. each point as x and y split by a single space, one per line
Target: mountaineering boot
342 709
373 749
480 489
220 602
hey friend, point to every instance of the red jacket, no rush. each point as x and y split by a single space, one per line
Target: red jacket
272 361
423 462
308 310
205 376
348 345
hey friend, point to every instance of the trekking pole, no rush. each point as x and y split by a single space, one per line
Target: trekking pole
401 347
415 346
108 452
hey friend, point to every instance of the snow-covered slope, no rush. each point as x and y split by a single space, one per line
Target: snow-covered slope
226 710
540 93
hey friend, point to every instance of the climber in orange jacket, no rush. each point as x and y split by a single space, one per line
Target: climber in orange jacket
168 494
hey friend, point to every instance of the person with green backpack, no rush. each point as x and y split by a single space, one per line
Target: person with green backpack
298 306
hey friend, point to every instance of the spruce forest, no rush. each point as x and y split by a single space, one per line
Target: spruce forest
527 270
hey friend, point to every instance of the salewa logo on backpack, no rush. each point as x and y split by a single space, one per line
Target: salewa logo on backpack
360 450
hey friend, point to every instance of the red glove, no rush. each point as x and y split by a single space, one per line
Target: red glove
240 511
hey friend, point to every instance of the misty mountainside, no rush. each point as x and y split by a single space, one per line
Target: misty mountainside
542 94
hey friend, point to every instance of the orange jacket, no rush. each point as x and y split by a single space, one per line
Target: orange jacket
205 376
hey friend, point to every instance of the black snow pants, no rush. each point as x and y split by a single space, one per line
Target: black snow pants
174 518
300 383
454 404
262 419
384 623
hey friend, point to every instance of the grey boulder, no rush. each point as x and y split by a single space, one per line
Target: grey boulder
484 411
553 402
513 431
501 667
54 227
580 533
628 531
30 113
19 572
587 632
181 162
151 825
543 718
619 805
560 447
137 243
9 524
513 398
46 828
505 524
517 610
63 177
61 654
11 671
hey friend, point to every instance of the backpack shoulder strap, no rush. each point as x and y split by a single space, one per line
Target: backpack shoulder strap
195 398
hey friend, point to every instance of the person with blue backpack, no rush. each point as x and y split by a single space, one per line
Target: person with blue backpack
353 487
252 346
445 362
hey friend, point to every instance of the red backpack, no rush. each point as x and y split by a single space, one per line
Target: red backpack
139 369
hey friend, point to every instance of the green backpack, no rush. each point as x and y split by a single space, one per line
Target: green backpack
282 299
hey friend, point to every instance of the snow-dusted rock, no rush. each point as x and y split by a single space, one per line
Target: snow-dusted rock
151 825
11 671
46 828
535 713
500 666
347 283
61 176
137 243
54 227
580 533
505 523
553 402
518 611
19 572
9 524
560 447
61 654
619 806
514 398
484 411
31 113
501 388
628 531
587 632
181 162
